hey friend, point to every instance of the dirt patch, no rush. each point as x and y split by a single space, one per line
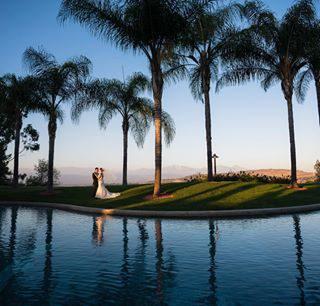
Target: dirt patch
160 197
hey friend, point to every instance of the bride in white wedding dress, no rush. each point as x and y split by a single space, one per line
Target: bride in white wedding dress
102 191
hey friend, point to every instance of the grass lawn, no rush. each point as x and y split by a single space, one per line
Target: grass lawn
187 196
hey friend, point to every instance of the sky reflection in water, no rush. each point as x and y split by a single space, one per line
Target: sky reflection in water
50 257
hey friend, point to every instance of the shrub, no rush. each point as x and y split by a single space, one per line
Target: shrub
41 176
243 176
317 170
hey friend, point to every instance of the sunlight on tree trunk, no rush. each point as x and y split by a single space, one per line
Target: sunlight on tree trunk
157 85
292 144
208 133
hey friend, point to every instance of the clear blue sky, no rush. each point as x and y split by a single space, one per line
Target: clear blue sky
249 125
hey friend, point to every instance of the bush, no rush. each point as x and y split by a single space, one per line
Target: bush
41 176
243 176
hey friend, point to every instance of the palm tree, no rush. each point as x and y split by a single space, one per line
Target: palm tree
312 57
202 44
269 51
150 27
59 83
21 97
113 97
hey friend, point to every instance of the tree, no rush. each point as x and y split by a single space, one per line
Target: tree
113 97
270 50
150 27
59 83
202 44
6 134
21 98
41 174
312 57
317 170
4 160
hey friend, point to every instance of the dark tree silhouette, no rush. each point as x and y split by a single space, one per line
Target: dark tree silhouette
202 44
21 97
270 50
150 27
59 83
113 97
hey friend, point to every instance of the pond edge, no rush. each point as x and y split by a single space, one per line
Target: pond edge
239 213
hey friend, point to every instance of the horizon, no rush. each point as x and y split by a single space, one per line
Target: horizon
249 125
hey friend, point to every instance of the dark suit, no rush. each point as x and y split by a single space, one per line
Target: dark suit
95 185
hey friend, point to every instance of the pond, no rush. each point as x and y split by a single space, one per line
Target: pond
51 257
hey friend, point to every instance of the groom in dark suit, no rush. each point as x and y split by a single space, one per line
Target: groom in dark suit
95 181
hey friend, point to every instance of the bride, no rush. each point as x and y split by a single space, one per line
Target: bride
102 191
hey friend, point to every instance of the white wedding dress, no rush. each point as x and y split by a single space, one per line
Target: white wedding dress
102 191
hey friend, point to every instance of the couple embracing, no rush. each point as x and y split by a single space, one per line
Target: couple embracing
99 189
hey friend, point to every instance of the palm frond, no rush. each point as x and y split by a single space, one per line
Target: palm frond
38 61
302 84
168 128
241 75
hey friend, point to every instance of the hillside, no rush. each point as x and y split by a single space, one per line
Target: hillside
303 176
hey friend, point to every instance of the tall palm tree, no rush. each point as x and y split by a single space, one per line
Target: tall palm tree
113 97
202 43
270 51
312 57
21 98
59 83
150 27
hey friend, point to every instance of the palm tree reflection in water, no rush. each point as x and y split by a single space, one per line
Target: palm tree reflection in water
13 229
47 271
213 238
124 273
6 263
299 259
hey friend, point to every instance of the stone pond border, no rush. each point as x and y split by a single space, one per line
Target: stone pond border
239 213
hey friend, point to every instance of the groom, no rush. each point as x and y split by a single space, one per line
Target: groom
95 181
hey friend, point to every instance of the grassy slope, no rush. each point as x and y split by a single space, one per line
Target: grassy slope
187 196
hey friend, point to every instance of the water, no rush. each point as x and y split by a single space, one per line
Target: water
50 257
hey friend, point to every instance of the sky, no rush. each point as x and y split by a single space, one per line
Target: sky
249 126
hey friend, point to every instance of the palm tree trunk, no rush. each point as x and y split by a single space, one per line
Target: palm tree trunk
208 130
52 128
292 143
157 86
317 81
18 127
125 129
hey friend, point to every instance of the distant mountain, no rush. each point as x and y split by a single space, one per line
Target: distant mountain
77 176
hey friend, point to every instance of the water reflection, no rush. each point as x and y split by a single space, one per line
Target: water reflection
299 258
147 261
47 270
6 260
13 229
213 237
98 230
159 261
125 258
